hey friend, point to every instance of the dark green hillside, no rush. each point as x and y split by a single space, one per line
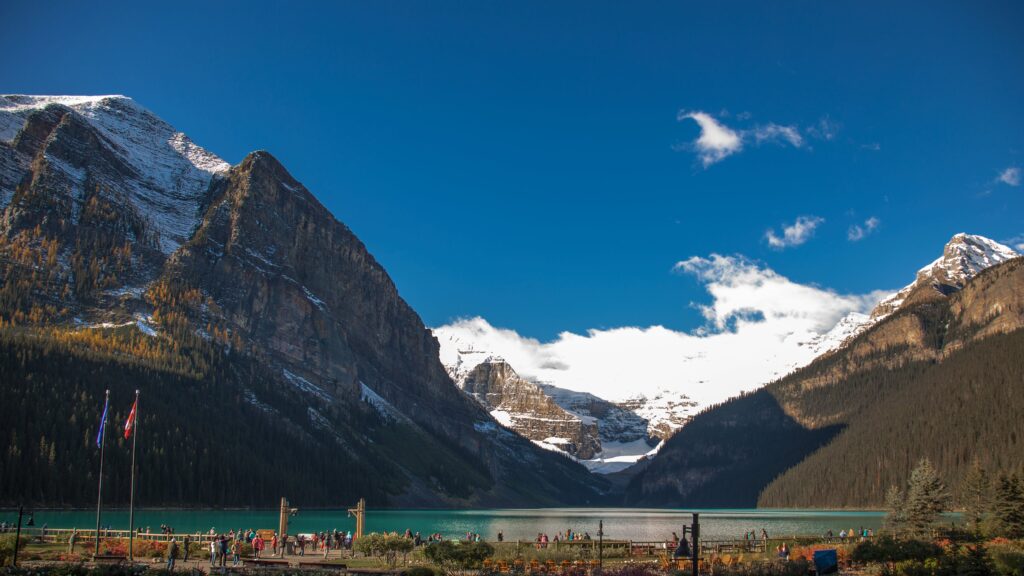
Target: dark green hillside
969 406
942 378
742 445
201 441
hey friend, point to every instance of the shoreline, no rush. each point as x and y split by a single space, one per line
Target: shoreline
710 511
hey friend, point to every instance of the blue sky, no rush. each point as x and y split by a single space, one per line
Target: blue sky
528 162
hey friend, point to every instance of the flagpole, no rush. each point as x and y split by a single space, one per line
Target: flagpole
131 501
99 492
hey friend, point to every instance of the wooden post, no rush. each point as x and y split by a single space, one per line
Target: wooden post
17 536
695 532
360 513
282 521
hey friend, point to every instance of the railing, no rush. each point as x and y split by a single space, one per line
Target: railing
583 547
645 547
62 535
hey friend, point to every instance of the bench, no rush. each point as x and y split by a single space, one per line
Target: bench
109 558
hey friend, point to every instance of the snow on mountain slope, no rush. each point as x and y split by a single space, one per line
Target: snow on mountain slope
962 258
662 377
169 172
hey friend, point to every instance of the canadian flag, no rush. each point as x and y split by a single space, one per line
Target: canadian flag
129 426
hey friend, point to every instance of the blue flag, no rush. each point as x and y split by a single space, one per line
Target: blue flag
103 423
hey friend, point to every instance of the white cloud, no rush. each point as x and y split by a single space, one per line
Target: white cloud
776 133
716 141
760 326
1010 176
824 129
858 232
795 234
1017 243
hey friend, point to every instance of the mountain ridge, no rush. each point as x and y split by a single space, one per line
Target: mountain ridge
97 194
809 414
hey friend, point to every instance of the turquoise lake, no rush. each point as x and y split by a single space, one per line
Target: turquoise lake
619 523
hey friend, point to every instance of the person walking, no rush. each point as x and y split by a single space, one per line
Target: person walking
223 551
172 554
72 540
186 542
213 552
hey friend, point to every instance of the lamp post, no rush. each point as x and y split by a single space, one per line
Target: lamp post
600 544
17 536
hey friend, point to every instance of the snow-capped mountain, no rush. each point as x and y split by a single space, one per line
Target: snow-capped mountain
604 435
116 231
162 171
963 257
664 409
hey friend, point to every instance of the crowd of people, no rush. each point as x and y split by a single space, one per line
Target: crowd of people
542 540
849 535
230 544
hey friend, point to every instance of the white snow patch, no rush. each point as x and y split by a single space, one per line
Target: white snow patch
171 173
617 456
145 328
383 407
312 298
503 417
319 420
251 398
305 385
553 448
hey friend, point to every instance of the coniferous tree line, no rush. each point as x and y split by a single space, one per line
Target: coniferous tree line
964 409
219 433
992 506
869 431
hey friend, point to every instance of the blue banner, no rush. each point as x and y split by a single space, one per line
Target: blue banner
103 423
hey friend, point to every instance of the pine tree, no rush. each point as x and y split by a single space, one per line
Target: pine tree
894 520
974 494
1007 512
926 498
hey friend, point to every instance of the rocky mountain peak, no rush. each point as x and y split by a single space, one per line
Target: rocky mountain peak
115 219
110 143
963 257
526 408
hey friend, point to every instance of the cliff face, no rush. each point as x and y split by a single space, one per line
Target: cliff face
302 291
525 408
112 220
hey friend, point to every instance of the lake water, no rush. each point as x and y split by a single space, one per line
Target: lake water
619 523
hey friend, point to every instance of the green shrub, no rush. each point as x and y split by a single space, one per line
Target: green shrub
455 556
1007 558
386 547
7 548
888 549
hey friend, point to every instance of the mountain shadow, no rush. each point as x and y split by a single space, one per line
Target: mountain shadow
727 455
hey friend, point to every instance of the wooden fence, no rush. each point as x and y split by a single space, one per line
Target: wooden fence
580 548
